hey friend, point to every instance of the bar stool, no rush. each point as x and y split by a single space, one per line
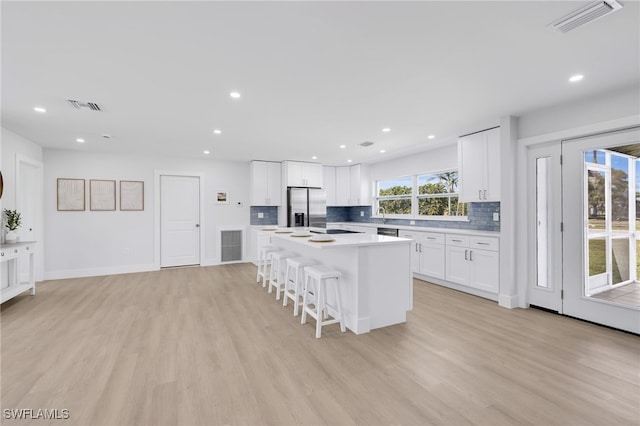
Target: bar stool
293 282
264 258
276 276
320 274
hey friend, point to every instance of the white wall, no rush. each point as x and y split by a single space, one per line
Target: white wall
98 242
444 158
608 106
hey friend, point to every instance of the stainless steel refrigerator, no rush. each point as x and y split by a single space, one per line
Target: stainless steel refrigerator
306 207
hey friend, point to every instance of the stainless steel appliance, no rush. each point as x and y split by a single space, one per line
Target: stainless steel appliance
389 232
306 207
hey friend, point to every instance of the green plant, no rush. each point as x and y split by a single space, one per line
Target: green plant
14 219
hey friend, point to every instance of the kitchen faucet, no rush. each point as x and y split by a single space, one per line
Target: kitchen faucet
381 211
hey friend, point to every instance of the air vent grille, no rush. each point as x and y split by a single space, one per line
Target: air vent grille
584 15
366 143
84 105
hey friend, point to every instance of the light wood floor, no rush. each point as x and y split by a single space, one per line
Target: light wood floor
207 346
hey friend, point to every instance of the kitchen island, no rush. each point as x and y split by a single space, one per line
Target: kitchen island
376 285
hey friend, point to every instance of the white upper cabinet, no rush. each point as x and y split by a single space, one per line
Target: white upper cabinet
343 186
303 174
353 186
479 166
266 183
329 184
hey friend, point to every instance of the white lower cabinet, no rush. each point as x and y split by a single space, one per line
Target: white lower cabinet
427 253
474 262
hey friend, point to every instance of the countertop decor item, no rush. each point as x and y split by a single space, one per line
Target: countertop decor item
13 222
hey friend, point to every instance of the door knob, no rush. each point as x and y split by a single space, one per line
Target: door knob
197 225
30 229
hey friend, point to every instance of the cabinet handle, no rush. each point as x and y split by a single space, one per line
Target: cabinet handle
15 251
480 243
479 194
466 255
431 238
416 249
471 255
457 241
485 194
2 254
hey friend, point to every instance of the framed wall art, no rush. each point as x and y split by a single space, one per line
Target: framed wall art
222 197
70 195
131 195
102 195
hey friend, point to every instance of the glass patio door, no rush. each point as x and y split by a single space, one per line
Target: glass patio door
599 238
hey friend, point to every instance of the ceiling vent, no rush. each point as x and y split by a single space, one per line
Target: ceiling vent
367 143
84 105
584 15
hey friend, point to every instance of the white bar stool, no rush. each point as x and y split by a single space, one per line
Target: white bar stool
293 283
264 258
320 274
276 276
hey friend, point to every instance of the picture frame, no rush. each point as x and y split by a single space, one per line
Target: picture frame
102 195
131 195
222 197
70 195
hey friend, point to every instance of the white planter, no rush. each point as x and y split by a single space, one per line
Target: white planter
11 237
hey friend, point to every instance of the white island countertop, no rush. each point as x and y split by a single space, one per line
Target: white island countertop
340 240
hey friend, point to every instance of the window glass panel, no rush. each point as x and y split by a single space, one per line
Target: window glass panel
399 186
440 183
596 194
395 206
619 194
596 156
620 260
542 214
597 256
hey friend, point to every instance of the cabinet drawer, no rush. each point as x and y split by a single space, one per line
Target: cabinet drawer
458 240
430 237
408 234
485 243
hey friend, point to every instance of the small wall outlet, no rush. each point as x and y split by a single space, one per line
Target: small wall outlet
361 213
496 217
412 222
260 215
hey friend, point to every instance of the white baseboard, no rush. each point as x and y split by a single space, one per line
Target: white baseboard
507 301
96 272
459 287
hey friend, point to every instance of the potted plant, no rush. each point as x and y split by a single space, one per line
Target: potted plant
13 222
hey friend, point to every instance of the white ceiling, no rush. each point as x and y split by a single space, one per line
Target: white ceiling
312 75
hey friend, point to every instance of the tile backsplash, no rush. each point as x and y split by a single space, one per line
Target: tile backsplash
480 217
270 215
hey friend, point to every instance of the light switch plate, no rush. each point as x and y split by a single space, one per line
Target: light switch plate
361 213
260 215
412 222
496 217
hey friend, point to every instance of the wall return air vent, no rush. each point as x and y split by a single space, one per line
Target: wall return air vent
584 15
84 105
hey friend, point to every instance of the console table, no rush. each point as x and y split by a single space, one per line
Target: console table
11 253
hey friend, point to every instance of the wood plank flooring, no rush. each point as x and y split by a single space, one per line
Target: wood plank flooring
208 346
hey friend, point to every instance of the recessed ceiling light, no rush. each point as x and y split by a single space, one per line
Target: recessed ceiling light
80 140
349 161
39 109
386 129
382 151
314 158
206 152
343 146
217 131
234 95
576 77
431 136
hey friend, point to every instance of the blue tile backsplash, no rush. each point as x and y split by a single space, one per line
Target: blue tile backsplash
270 215
480 217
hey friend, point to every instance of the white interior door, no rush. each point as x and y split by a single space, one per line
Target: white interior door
544 176
582 232
179 220
29 204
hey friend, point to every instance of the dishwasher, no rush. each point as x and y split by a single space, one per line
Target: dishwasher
389 232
